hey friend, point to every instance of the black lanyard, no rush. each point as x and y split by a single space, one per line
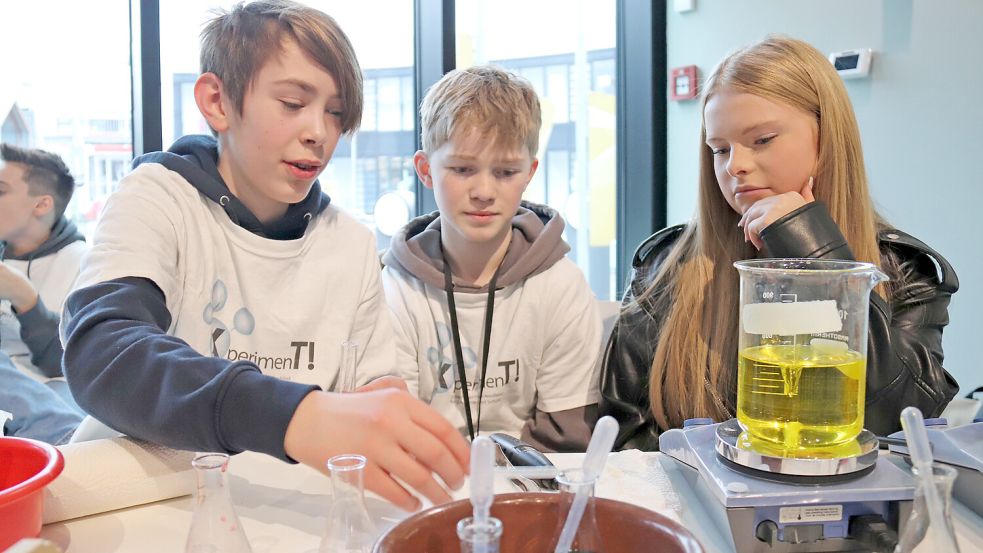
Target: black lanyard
489 312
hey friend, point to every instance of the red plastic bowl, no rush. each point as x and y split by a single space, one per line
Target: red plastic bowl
26 467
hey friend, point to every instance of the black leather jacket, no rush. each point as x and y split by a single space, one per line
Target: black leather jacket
904 354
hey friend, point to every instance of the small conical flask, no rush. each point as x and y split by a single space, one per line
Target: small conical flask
572 483
346 370
479 538
918 534
215 527
349 528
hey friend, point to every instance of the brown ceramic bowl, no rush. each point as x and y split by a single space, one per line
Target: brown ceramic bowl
531 523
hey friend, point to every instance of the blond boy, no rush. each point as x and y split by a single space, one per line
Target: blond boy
495 327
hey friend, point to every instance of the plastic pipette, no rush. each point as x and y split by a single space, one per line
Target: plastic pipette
921 457
534 473
605 431
346 373
482 484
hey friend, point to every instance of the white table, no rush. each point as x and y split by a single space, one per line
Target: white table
282 508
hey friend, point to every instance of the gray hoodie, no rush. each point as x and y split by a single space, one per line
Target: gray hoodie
537 243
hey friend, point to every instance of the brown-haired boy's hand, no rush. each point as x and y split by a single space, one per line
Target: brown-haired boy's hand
399 436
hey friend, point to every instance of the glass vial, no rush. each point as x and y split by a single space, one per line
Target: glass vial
346 370
215 527
479 538
918 535
349 528
573 482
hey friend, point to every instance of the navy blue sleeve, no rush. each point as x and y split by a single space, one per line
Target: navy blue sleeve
125 370
39 331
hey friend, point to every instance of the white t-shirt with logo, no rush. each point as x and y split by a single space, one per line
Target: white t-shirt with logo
543 354
285 305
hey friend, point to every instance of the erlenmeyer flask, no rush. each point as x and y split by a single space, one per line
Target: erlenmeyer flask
479 538
573 482
215 527
349 528
346 370
918 535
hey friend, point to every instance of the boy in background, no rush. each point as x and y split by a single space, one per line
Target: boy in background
222 282
41 252
495 327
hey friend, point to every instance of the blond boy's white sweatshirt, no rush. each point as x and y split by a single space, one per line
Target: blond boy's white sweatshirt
545 336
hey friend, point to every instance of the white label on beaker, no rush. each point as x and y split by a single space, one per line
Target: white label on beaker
810 513
786 319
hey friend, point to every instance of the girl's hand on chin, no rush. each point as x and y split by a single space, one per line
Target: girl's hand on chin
768 210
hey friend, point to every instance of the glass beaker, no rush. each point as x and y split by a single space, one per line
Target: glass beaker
802 352
574 482
349 528
479 538
215 527
918 535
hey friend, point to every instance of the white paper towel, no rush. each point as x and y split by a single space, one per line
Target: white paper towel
104 475
637 477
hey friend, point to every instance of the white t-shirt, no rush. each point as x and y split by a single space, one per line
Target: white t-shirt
544 350
52 276
286 305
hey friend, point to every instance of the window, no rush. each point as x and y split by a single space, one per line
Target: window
567 52
66 89
373 164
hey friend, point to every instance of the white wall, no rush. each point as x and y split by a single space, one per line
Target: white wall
920 114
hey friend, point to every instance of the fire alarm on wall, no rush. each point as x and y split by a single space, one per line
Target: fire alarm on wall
682 83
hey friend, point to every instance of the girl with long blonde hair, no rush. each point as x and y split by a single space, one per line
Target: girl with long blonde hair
781 175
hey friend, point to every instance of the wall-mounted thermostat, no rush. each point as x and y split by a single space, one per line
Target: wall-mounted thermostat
852 64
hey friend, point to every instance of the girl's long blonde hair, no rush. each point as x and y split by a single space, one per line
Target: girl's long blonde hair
694 369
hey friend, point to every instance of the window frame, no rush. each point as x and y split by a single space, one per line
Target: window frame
148 134
640 127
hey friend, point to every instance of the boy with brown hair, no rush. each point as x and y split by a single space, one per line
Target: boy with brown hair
495 327
222 282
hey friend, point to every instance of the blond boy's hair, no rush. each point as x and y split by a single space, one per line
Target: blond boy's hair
236 44
493 101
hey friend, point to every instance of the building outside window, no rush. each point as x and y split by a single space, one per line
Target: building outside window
82 111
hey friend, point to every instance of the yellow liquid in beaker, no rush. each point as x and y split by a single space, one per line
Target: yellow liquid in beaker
801 399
